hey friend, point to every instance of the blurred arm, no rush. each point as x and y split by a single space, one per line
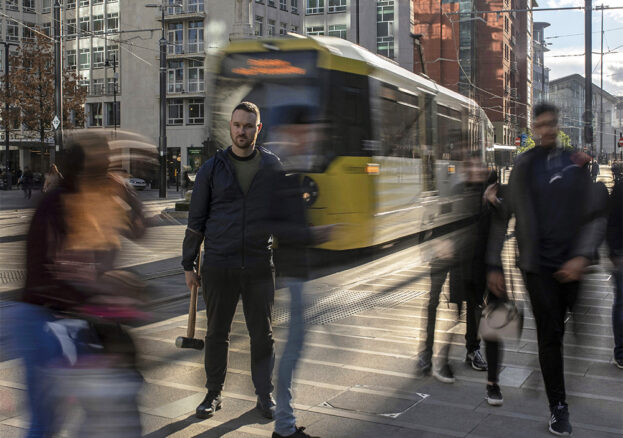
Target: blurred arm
197 216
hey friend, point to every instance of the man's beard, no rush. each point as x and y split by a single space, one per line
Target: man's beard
247 142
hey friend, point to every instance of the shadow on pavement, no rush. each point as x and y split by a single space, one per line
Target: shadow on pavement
245 419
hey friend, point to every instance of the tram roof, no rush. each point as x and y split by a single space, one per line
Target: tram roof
347 49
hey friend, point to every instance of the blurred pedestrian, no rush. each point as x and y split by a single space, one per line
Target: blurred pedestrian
231 197
614 237
27 182
290 227
71 243
187 184
595 170
52 178
454 258
557 234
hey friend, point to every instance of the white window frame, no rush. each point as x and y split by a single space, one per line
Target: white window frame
259 23
314 30
195 37
87 53
337 6
99 19
98 58
175 76
200 118
195 76
314 7
179 104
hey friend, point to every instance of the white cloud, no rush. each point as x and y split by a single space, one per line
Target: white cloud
614 14
567 65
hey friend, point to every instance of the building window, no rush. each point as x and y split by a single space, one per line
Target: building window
95 113
84 59
85 25
385 28
283 28
11 5
175 112
112 86
271 27
113 113
46 29
112 22
71 59
84 2
84 83
195 111
195 76
315 7
98 23
71 28
12 31
97 87
195 5
97 2
113 53
28 31
271 3
283 5
195 36
175 77
176 38
337 30
294 6
71 4
98 57
28 6
46 6
259 25
314 30
294 29
337 5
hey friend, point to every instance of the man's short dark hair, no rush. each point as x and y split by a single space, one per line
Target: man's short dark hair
248 107
545 107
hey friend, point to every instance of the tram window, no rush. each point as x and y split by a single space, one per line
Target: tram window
399 123
451 137
348 110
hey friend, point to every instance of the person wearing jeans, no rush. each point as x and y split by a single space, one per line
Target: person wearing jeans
615 244
285 422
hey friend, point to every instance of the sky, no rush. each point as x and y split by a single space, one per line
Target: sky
566 37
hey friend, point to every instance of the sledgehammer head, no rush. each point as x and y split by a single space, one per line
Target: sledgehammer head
184 342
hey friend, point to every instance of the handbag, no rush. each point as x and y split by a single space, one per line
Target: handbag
502 319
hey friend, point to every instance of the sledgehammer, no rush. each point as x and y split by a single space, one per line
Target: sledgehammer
189 340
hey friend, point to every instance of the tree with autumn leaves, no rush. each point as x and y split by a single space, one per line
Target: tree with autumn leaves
31 91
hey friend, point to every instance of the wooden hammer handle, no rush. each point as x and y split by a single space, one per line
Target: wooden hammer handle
192 308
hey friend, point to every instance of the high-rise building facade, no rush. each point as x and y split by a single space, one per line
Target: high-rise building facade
485 56
540 73
568 94
381 26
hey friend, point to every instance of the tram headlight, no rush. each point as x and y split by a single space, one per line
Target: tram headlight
310 190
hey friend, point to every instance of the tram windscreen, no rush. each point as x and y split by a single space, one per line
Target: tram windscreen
285 98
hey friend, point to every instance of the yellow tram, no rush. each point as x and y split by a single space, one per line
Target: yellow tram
389 144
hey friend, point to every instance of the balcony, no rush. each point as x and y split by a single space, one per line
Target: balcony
189 89
97 90
514 68
513 93
185 12
179 50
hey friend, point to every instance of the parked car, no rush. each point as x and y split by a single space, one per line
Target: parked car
137 183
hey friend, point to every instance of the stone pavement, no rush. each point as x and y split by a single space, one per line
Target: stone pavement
356 376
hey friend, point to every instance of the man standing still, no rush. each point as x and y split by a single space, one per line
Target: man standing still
230 200
549 193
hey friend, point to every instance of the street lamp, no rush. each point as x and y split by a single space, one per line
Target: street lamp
113 63
6 110
162 141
